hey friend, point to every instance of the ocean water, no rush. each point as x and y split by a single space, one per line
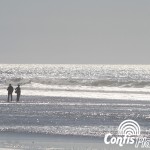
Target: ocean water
91 81
75 100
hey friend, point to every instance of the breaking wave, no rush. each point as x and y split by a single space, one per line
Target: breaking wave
78 82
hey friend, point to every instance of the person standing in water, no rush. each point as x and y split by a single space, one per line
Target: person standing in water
18 92
10 90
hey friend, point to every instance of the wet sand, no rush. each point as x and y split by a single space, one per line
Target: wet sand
33 141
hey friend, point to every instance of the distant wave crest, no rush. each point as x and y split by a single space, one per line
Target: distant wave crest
78 82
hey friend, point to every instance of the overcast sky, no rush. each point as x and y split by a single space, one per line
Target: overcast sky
75 31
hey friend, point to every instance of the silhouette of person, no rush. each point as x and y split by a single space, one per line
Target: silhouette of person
18 92
10 90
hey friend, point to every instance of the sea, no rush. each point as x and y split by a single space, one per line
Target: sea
85 101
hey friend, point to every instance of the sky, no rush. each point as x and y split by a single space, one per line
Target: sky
75 31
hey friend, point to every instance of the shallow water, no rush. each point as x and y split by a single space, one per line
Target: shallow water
50 122
71 116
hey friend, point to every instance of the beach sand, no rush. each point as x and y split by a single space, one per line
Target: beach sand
19 141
